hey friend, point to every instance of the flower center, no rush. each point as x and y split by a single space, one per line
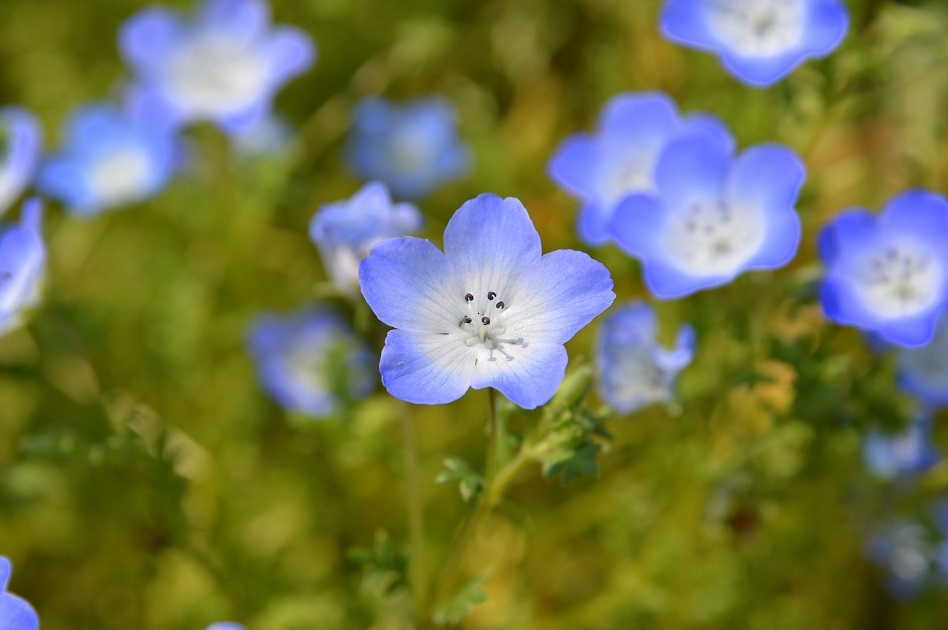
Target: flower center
713 237
900 281
757 28
121 177
631 176
481 323
215 74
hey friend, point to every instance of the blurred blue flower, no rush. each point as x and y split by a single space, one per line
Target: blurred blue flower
903 454
488 312
345 231
713 216
22 266
912 552
15 613
309 359
20 140
634 370
225 625
109 159
923 372
269 136
601 169
413 148
225 65
888 274
758 41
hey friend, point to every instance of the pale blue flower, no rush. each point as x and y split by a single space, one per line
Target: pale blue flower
888 273
898 455
488 312
414 148
109 159
346 231
602 169
22 266
308 360
713 216
225 625
758 41
224 65
20 143
634 369
15 613
923 372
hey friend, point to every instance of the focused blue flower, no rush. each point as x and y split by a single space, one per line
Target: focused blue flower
225 65
22 266
346 231
15 613
488 312
713 216
109 159
413 148
308 360
902 454
923 372
888 274
20 139
601 169
758 41
634 370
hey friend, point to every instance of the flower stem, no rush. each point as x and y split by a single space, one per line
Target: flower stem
416 529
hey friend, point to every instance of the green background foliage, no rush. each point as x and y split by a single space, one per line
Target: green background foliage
147 482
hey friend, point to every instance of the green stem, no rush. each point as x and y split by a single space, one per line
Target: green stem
416 530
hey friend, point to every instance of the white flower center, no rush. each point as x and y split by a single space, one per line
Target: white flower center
638 378
306 364
757 28
713 238
121 177
410 151
900 281
214 74
481 324
633 175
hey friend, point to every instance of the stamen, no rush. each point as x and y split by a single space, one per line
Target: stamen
500 305
491 295
467 320
468 298
485 320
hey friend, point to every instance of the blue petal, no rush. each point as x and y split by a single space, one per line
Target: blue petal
592 224
243 120
61 179
22 153
575 166
691 170
562 294
684 21
826 26
6 568
16 614
710 127
667 282
637 224
781 241
848 232
528 381
291 52
918 213
767 176
647 119
410 284
246 19
490 241
910 332
147 38
842 304
762 71
426 368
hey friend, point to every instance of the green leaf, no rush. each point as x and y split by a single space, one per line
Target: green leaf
470 482
469 595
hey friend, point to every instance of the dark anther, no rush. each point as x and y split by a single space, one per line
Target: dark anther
491 295
500 305
468 298
485 320
467 320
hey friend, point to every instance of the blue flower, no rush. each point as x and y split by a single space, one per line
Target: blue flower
634 370
488 312
888 274
346 231
20 139
713 216
22 266
912 552
601 169
225 625
15 613
269 136
225 65
891 456
308 360
109 159
923 372
758 41
413 148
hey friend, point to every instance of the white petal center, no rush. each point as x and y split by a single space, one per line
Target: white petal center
713 238
757 28
900 280
121 177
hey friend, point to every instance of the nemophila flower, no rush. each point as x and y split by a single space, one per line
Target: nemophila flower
911 451
634 369
109 159
22 266
311 360
414 148
345 231
888 273
913 553
713 216
20 139
488 312
758 41
223 65
923 372
225 625
601 169
15 613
